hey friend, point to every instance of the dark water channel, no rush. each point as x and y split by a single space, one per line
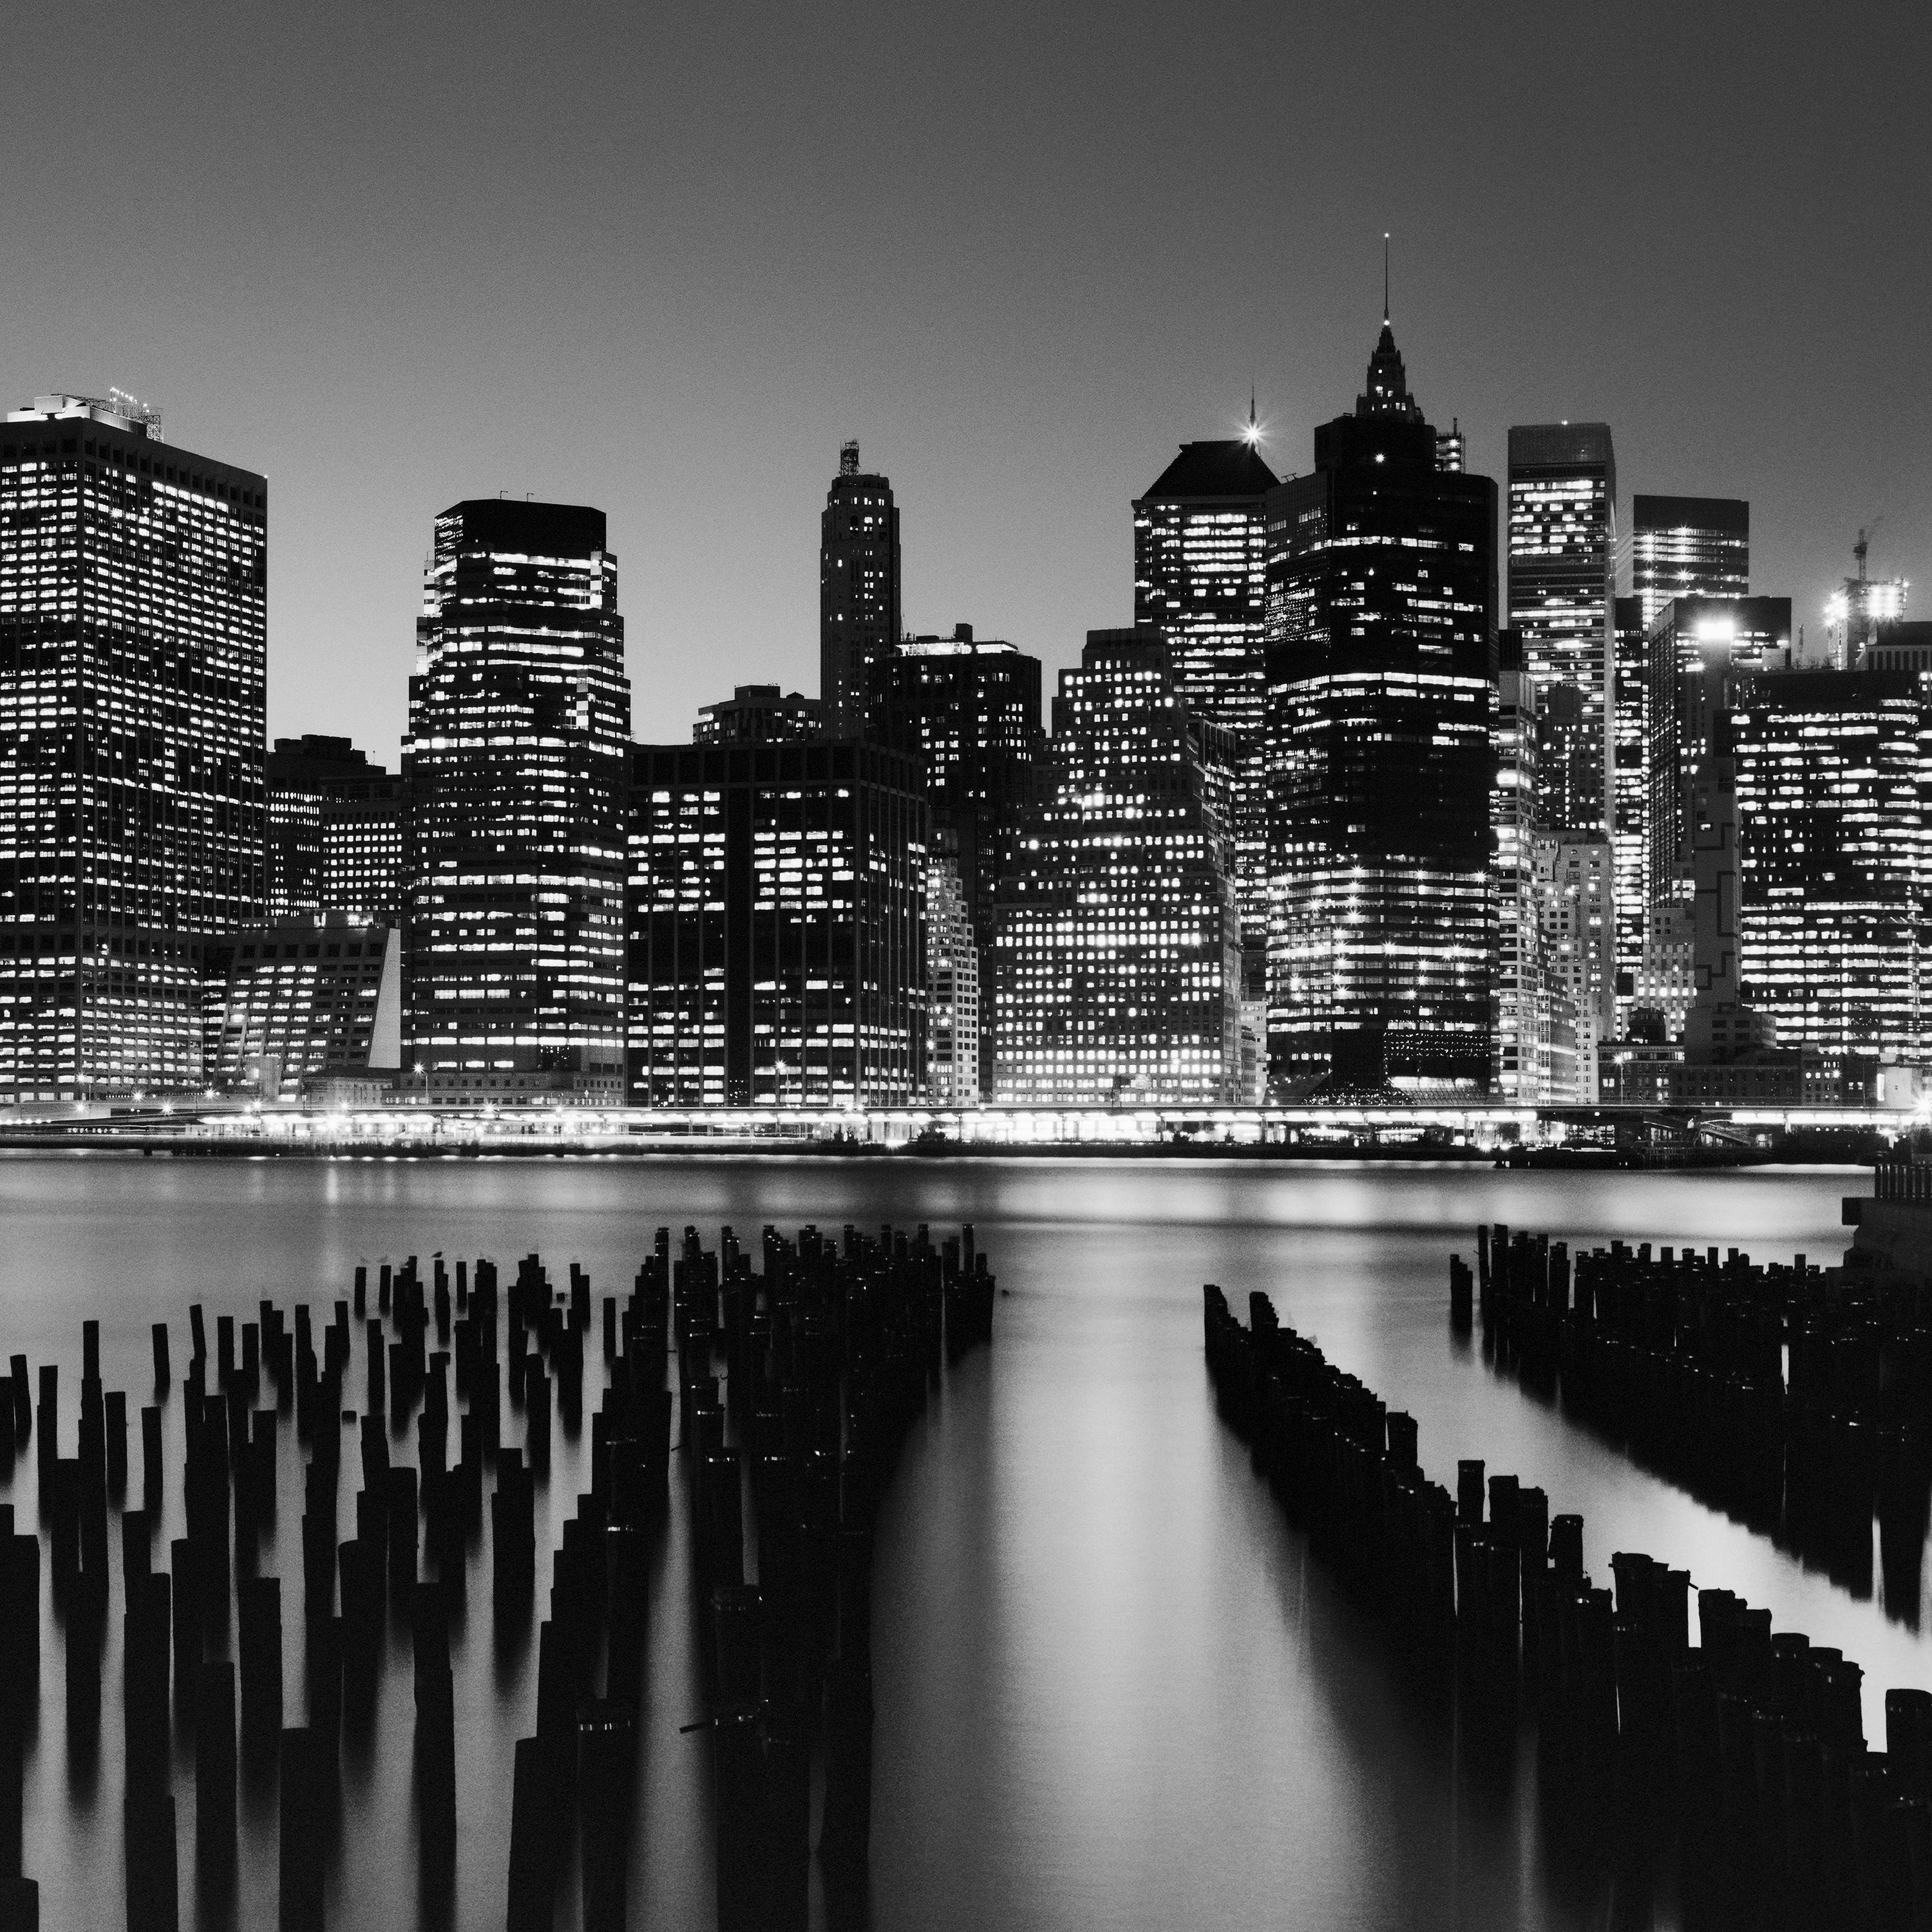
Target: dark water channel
1113 1689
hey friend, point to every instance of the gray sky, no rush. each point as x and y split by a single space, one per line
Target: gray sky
662 259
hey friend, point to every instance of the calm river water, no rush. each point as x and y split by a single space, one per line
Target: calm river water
1113 1689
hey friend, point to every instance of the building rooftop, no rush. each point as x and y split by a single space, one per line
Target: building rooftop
1233 468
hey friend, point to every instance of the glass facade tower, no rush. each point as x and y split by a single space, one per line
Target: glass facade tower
1200 579
1562 557
133 596
859 619
1381 616
520 712
1687 547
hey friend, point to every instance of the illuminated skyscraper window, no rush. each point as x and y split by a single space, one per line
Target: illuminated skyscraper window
1630 798
1687 547
1562 554
1117 953
952 990
775 910
1200 578
1381 611
519 715
133 665
859 611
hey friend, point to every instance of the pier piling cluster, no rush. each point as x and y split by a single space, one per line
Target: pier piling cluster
1733 1772
793 1387
1798 1399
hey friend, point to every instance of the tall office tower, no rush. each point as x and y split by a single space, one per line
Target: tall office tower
304 1000
775 909
1573 881
1567 765
758 714
1381 609
1834 813
968 709
1200 578
1696 648
1630 798
1117 958
952 987
1687 547
133 608
859 618
519 715
1858 611
1519 992
305 777
1562 556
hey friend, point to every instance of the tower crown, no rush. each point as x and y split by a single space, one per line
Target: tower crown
1388 391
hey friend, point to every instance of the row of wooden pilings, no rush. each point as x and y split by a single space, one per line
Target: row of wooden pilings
802 1379
1739 1763
1798 1399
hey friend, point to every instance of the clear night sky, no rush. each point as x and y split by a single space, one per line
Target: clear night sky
662 260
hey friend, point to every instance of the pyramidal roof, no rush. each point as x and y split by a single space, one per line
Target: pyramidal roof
1387 392
1230 469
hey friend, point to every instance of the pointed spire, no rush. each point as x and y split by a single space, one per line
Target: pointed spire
1385 278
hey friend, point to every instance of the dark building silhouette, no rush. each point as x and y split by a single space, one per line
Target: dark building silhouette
133 676
968 710
774 911
1117 960
334 830
858 612
1381 612
1562 560
758 714
1688 547
1200 579
520 712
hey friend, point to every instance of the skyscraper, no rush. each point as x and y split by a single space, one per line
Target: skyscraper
1562 556
968 709
1117 955
520 711
1835 812
1200 578
1519 989
1380 611
953 1030
775 915
133 671
859 613
1630 794
1688 547
758 714
306 778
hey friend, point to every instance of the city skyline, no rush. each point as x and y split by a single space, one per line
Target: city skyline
660 304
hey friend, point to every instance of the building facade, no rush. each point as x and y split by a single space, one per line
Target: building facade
967 709
859 603
1562 558
953 1022
134 607
1630 797
1381 613
1834 858
520 712
309 780
1687 547
303 1001
1519 992
758 714
1200 579
776 914
1117 955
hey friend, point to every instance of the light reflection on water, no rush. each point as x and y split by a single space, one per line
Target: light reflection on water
1113 1691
